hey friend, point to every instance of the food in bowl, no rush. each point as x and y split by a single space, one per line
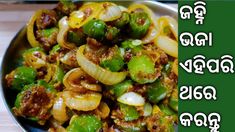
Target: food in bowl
98 66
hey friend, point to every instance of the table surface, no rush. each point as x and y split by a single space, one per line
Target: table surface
12 18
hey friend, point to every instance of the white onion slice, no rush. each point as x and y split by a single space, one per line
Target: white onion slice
62 35
173 25
105 76
110 13
168 45
171 22
81 102
59 110
123 8
151 35
131 98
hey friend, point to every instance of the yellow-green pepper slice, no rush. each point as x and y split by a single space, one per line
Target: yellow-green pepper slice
84 123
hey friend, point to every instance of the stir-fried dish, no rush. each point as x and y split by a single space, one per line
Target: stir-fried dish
99 67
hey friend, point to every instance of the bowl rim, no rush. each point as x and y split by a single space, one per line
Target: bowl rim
3 98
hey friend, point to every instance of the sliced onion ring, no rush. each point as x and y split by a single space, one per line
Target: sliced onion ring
171 22
62 35
168 45
103 110
131 98
104 76
151 35
59 109
110 12
87 12
72 81
30 28
81 102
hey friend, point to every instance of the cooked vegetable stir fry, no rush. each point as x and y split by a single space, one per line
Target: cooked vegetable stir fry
99 67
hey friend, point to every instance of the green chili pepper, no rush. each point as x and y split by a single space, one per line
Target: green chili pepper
121 87
173 103
48 32
156 92
123 20
112 32
113 62
84 123
142 69
130 113
139 24
95 29
76 37
23 76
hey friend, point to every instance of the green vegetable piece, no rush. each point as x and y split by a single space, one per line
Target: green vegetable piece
33 119
123 20
55 49
130 112
166 110
167 124
48 32
131 43
95 29
168 67
173 103
134 45
113 61
122 87
48 87
114 64
23 76
84 123
139 24
76 37
142 69
156 92
112 32
30 92
18 100
59 74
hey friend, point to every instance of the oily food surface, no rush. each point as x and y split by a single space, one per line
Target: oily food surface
98 67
